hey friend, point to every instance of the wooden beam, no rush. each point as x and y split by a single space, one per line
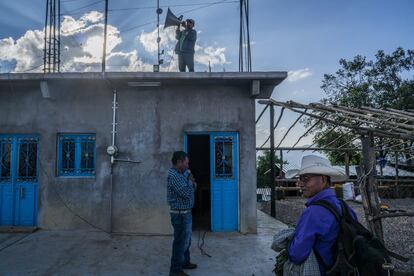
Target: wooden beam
368 119
402 112
261 113
325 134
307 132
277 123
388 113
272 164
362 130
289 129
317 148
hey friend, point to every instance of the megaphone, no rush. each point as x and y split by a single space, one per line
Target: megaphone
172 20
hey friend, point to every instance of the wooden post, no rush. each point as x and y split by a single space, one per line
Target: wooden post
369 189
397 189
281 164
347 164
381 155
272 163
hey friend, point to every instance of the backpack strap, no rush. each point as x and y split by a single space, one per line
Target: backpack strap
345 209
329 207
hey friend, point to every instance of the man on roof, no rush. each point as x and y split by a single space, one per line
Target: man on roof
185 45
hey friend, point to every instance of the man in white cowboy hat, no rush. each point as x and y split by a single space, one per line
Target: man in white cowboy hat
317 228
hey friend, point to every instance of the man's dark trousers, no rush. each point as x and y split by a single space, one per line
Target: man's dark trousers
182 224
186 59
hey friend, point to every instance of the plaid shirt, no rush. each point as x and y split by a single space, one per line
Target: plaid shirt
180 190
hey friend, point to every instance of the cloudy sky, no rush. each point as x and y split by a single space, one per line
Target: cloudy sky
304 37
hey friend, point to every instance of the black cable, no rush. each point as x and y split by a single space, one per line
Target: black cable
66 205
201 245
13 243
86 6
172 6
183 12
67 1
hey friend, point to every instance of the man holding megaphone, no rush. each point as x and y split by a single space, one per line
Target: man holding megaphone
185 45
186 40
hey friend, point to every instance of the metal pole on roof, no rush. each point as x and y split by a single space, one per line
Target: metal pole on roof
104 42
45 38
158 32
272 163
58 40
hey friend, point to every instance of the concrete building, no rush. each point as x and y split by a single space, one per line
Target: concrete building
55 129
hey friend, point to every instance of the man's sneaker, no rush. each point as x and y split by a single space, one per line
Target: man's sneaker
189 265
182 273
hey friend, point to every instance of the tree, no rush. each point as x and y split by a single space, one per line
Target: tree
263 169
385 82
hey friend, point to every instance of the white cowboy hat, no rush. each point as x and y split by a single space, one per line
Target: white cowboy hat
312 164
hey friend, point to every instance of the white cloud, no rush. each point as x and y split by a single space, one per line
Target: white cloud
82 46
203 54
27 51
149 39
216 56
299 74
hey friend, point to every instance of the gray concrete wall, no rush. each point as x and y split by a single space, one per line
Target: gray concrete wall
151 125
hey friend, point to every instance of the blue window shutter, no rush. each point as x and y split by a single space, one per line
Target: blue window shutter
76 155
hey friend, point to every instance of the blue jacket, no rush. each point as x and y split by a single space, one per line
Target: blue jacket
317 229
186 41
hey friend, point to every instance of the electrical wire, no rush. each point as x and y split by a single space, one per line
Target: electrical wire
85 6
66 205
183 12
171 6
68 1
201 242
15 242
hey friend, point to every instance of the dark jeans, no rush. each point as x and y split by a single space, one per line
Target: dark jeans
186 59
182 240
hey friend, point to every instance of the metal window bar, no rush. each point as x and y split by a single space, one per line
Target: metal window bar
5 159
223 147
87 155
27 159
77 155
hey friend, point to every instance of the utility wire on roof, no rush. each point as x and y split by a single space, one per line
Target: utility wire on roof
183 12
203 5
68 1
172 6
85 6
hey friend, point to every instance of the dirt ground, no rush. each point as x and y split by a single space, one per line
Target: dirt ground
398 232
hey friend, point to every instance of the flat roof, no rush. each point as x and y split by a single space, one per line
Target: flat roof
267 80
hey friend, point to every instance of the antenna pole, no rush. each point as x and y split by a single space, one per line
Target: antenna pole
104 42
58 55
45 46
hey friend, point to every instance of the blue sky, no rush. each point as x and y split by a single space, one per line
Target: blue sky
307 37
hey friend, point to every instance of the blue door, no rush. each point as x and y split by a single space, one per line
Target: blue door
19 158
224 181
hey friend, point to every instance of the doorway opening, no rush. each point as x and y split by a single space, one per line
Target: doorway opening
198 148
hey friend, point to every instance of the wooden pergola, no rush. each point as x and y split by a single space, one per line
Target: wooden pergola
367 123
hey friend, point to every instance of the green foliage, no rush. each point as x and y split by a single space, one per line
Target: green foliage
263 165
385 82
